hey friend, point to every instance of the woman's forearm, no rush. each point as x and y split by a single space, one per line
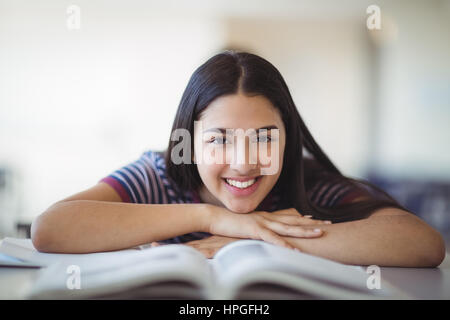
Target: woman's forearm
81 226
390 240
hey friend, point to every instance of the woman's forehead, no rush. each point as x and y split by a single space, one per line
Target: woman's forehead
240 111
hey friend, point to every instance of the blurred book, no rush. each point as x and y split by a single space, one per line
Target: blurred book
245 269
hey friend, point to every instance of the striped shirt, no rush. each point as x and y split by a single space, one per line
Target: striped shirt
145 181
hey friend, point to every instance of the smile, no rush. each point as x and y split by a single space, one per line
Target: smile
239 184
242 186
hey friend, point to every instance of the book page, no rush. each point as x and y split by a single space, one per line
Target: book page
173 270
24 250
250 262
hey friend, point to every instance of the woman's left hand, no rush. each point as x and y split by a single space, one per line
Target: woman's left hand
209 246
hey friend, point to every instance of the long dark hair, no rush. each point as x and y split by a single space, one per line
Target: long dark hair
227 73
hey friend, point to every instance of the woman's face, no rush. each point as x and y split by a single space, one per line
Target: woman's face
238 164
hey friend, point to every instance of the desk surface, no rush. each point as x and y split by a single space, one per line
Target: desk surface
421 283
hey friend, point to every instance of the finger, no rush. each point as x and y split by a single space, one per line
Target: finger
297 221
290 212
323 221
271 237
293 212
155 244
293 231
207 252
194 245
290 215
315 221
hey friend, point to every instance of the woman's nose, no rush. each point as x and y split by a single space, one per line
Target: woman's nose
244 158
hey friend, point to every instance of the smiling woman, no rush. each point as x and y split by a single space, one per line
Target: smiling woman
289 198
241 90
228 181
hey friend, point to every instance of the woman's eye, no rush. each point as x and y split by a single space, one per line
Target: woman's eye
224 140
218 140
264 139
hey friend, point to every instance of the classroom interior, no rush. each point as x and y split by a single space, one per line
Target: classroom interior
87 87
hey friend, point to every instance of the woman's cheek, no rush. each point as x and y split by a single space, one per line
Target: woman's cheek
214 154
271 160
211 175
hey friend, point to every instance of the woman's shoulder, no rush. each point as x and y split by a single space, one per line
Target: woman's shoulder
157 159
329 189
154 157
145 181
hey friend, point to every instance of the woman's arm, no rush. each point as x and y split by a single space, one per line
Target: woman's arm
389 237
82 226
96 220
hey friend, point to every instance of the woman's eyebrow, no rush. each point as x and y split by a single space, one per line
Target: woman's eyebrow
223 130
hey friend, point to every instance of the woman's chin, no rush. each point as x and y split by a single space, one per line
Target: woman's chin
241 207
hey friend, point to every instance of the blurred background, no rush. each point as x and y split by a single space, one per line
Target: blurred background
88 86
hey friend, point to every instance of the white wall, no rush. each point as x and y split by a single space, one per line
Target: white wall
77 104
414 95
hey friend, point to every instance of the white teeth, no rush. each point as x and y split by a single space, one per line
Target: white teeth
239 184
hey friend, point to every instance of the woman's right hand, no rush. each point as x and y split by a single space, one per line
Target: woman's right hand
266 226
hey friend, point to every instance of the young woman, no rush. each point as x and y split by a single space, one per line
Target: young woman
304 204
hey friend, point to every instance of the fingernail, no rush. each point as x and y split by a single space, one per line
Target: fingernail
327 222
308 216
317 230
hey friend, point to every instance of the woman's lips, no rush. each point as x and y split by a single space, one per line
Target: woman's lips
242 192
242 179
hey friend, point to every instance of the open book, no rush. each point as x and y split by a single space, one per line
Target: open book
245 269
